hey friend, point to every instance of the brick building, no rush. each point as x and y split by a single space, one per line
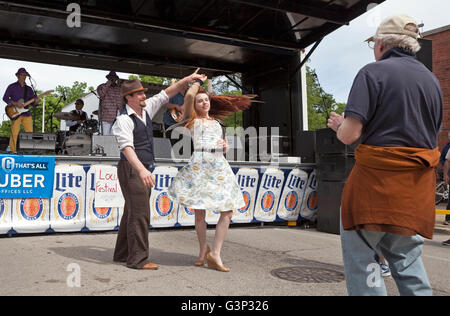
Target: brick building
441 68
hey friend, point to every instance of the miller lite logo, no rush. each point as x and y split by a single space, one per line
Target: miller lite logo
68 206
267 201
31 209
189 211
163 204
247 199
64 181
8 164
101 212
291 201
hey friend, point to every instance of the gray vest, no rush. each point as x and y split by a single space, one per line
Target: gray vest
142 139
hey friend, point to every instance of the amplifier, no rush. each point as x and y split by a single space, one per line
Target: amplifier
36 143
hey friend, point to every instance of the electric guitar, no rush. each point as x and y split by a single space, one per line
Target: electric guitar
176 115
13 111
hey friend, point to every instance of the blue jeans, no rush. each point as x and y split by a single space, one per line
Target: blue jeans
361 250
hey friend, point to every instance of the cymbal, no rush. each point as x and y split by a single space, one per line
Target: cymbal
67 116
95 112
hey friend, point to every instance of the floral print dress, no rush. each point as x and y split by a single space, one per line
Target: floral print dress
207 181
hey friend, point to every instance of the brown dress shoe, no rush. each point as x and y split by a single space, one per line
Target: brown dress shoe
150 266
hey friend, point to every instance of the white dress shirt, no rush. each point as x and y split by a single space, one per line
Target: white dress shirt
124 126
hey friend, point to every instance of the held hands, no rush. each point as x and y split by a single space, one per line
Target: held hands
335 121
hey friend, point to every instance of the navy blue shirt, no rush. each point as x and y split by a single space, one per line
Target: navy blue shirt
398 101
178 100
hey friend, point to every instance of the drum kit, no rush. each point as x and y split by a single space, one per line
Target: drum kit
77 143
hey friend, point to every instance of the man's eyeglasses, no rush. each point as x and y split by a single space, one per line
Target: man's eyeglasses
371 44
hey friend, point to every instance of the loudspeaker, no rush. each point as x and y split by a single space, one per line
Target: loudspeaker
105 145
329 202
36 143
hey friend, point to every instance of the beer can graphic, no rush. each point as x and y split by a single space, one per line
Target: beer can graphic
292 196
247 179
269 195
5 216
30 215
212 217
186 216
98 218
163 211
67 212
309 206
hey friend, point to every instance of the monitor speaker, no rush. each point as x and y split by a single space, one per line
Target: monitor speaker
36 143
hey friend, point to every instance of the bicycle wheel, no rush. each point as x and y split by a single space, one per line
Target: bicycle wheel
441 189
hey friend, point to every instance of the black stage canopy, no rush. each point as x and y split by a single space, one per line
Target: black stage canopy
170 37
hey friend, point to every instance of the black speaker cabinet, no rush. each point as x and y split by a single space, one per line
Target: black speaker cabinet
329 202
36 143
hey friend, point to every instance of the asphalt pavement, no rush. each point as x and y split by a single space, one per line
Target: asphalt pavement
269 260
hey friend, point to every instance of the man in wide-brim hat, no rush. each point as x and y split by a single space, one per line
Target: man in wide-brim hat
134 133
17 94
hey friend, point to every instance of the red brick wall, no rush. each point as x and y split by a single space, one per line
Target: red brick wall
441 68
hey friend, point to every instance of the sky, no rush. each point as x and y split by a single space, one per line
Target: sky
343 53
336 61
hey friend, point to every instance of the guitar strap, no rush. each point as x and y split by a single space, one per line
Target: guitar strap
25 90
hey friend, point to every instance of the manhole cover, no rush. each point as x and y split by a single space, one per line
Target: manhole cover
302 274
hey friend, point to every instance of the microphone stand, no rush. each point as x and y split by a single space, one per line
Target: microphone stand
34 104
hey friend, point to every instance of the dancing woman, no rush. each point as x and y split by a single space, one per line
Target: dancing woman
207 182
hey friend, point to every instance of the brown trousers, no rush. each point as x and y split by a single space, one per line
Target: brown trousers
132 244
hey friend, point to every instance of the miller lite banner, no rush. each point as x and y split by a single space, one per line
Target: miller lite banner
292 197
26 176
68 202
163 211
5 216
269 195
247 179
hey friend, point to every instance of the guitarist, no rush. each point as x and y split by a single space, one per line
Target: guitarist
17 94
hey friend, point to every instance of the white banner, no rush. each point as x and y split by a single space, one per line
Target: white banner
293 191
163 211
5 216
68 203
30 215
98 218
107 187
269 195
248 182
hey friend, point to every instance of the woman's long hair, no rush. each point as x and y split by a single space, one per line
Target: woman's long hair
222 106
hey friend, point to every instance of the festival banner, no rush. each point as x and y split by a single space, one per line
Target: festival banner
98 218
163 211
269 195
107 187
247 179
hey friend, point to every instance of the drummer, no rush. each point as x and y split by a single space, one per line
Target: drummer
74 125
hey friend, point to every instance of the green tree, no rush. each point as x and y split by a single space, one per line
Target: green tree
320 103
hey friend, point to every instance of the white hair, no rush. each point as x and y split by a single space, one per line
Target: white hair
398 40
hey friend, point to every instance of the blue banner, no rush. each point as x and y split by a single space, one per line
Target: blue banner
24 177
